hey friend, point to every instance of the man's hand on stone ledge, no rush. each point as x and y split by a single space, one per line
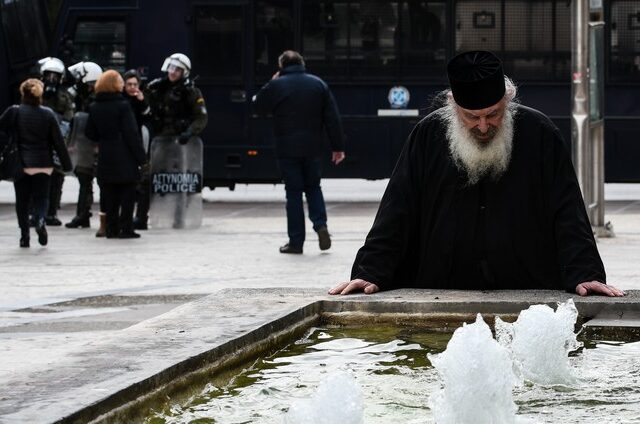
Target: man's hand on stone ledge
354 286
596 287
583 289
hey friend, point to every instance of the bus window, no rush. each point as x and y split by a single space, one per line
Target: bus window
536 47
101 41
24 24
218 42
325 44
624 41
424 39
274 34
373 41
478 25
532 49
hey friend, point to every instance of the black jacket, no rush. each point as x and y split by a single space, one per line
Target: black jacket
527 230
302 107
113 126
140 109
38 136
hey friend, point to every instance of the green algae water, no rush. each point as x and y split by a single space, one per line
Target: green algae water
397 379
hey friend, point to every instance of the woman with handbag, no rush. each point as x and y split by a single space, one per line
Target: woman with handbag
35 135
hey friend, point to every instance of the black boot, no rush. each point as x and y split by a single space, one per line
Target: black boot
85 200
140 223
287 248
24 237
112 231
43 237
79 222
52 220
55 194
324 239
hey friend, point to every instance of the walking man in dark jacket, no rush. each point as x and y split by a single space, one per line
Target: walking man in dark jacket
303 108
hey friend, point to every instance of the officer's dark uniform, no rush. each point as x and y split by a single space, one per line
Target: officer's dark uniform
85 167
177 109
84 97
61 102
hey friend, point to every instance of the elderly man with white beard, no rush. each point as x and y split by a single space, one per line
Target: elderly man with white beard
483 197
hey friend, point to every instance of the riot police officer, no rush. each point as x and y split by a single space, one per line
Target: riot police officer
60 100
85 75
177 106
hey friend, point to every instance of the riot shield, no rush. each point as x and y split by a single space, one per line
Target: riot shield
176 183
81 149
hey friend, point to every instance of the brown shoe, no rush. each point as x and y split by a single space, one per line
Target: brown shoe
102 231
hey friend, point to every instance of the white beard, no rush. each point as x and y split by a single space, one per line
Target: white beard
479 159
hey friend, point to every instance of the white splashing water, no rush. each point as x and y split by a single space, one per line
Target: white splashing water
339 399
478 373
540 341
478 379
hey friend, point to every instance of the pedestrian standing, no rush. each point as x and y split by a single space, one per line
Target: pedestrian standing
37 134
303 108
120 153
141 110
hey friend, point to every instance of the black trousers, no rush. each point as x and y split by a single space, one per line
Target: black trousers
118 200
55 192
31 190
142 199
85 195
302 175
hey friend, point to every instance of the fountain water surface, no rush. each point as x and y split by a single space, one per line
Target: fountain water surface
338 399
378 374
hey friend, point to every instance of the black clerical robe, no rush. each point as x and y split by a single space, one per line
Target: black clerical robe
527 230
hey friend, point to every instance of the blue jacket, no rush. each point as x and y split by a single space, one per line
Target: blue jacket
303 108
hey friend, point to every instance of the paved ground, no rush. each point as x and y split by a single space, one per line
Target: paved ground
79 289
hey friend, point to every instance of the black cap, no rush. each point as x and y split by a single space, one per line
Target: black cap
476 79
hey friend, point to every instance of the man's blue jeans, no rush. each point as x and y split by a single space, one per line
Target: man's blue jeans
302 175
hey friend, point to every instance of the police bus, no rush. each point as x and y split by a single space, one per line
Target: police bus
383 60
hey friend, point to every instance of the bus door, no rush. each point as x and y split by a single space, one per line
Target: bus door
220 61
24 39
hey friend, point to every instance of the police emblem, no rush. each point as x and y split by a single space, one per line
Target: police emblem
398 97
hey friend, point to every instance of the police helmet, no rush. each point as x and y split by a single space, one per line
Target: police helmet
178 60
51 64
86 72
